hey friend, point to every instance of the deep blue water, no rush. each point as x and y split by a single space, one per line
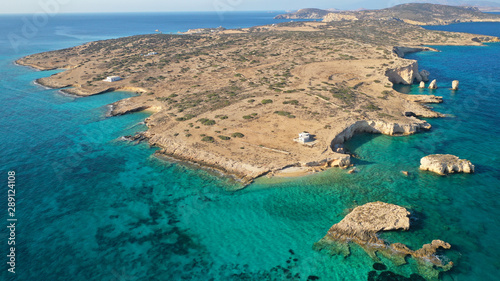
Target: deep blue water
92 207
485 28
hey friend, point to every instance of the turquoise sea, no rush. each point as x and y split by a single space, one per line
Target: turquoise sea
92 207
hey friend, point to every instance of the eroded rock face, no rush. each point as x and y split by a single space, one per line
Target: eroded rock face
446 164
380 127
425 75
361 226
404 74
422 85
371 218
433 85
454 84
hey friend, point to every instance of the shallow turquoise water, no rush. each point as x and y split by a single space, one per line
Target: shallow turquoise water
92 207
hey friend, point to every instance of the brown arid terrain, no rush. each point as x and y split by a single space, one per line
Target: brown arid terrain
235 100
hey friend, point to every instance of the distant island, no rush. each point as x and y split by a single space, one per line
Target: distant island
237 100
412 13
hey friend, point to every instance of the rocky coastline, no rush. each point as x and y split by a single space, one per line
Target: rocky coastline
333 98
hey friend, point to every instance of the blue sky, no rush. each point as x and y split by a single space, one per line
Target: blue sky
55 6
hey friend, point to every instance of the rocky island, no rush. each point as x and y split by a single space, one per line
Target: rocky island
413 13
235 100
443 164
361 226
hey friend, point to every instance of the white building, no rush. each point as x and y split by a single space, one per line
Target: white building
304 137
112 79
151 54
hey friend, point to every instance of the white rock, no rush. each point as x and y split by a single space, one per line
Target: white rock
380 127
405 73
454 84
422 85
445 164
433 85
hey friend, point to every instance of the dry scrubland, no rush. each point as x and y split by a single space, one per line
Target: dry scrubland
236 99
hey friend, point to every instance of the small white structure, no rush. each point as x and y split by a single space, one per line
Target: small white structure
304 137
112 79
151 54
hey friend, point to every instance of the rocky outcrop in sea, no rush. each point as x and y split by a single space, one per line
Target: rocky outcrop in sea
361 226
443 164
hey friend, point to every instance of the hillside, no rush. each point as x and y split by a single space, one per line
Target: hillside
413 13
305 14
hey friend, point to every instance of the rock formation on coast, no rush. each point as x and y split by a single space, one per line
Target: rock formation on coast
361 226
443 164
405 74
433 85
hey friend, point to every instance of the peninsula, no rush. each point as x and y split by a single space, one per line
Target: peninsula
235 100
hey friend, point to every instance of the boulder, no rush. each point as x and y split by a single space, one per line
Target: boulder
341 160
425 75
454 85
372 218
433 85
443 164
422 85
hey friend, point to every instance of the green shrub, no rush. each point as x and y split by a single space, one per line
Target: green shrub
206 121
292 102
251 100
224 137
186 117
247 117
237 135
266 101
371 107
285 113
208 139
